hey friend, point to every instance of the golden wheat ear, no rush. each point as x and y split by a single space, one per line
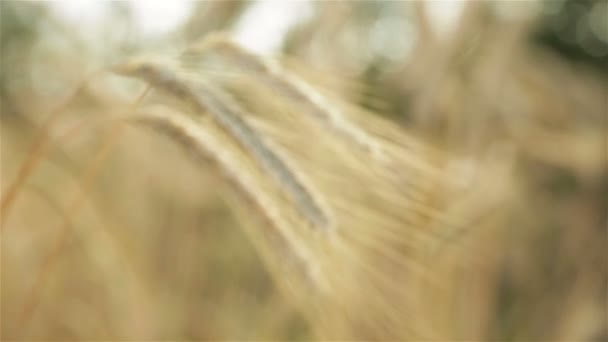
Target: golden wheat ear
204 98
284 83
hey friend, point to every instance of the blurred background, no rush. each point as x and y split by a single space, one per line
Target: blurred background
102 239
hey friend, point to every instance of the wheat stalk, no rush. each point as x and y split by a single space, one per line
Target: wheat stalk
228 115
272 75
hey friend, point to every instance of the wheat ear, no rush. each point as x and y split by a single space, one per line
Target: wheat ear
229 116
206 148
290 86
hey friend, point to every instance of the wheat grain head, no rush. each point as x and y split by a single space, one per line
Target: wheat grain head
385 216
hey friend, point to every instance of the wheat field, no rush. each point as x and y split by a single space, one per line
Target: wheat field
353 185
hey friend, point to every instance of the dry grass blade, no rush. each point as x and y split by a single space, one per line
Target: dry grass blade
64 230
34 156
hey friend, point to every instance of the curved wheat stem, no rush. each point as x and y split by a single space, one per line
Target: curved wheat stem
228 115
290 86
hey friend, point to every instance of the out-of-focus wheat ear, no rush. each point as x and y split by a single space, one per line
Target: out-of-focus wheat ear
227 114
272 75
230 116
282 251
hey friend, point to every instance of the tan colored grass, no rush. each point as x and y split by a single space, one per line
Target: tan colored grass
380 252
226 113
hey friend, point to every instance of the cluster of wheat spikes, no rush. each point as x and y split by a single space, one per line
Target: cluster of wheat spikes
350 220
